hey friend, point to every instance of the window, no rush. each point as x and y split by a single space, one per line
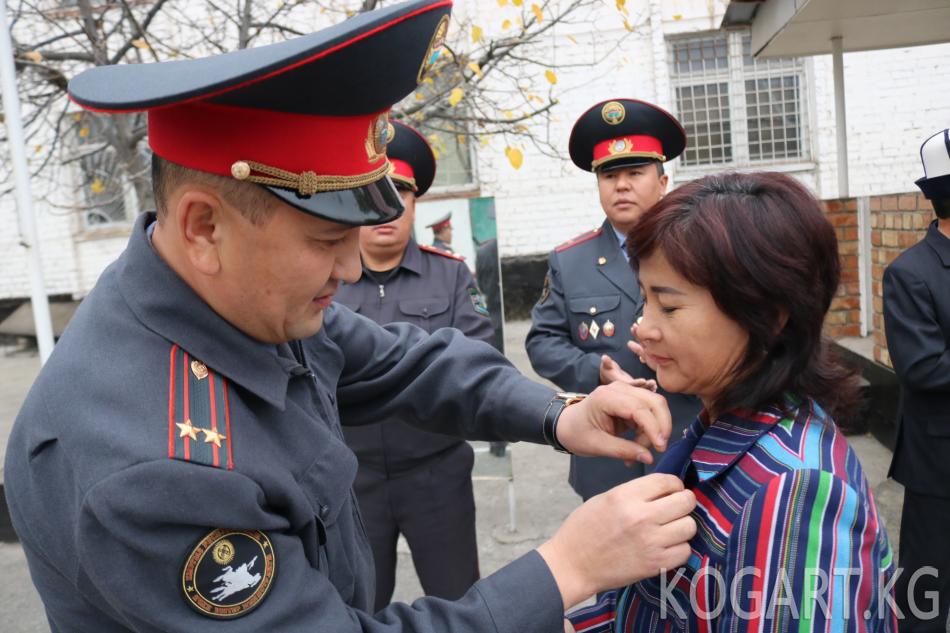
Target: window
737 110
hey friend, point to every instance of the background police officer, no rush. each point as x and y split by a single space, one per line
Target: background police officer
442 232
410 481
591 297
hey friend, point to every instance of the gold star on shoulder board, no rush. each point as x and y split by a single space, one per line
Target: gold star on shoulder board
213 437
187 430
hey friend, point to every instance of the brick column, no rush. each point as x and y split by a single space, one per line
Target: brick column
844 317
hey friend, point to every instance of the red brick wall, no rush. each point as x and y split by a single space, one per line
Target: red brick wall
897 222
844 317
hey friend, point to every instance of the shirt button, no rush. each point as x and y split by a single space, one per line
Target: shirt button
593 310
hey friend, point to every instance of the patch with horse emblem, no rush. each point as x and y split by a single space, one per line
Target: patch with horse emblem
478 301
229 573
613 113
435 48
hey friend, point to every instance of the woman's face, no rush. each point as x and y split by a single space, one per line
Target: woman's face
694 345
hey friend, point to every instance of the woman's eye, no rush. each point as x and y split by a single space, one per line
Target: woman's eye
668 310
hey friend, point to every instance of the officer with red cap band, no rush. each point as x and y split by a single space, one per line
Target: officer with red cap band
179 463
591 297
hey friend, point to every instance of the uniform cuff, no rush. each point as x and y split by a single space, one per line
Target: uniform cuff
522 597
523 410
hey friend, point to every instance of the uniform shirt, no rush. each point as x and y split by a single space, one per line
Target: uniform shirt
155 423
431 290
917 324
590 300
779 493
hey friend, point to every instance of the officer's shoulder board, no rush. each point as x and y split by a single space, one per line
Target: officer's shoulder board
580 239
199 412
439 251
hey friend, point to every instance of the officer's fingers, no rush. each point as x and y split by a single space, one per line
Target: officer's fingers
606 445
679 531
648 412
651 487
673 506
676 556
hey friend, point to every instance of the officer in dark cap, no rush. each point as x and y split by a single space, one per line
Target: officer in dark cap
917 324
179 464
442 232
591 297
414 482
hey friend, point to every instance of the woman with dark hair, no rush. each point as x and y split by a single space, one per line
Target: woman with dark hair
738 272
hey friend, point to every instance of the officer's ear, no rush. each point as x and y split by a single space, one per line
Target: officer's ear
200 214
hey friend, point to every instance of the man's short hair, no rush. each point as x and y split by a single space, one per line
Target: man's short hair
942 208
254 202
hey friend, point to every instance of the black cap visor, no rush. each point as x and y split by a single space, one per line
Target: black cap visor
375 203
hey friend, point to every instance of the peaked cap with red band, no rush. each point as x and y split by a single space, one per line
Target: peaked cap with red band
625 132
307 118
413 163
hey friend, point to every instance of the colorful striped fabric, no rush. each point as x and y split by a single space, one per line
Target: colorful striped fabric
788 540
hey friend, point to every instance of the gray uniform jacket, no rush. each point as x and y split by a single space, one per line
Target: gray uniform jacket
589 282
431 290
917 323
130 453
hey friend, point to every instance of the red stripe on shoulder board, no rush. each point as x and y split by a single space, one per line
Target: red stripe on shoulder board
439 251
171 402
580 239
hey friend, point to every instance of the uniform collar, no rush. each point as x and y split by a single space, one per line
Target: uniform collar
723 441
165 304
939 242
411 258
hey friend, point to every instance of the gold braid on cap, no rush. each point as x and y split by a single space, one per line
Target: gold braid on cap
306 183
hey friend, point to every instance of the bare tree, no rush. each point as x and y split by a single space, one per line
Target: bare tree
493 80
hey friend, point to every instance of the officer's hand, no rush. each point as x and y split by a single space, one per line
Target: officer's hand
635 347
610 372
594 426
629 533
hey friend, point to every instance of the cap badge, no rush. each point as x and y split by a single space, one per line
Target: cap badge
229 572
620 146
381 131
435 48
613 113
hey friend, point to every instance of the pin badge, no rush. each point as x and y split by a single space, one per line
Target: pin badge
199 369
594 329
583 331
609 328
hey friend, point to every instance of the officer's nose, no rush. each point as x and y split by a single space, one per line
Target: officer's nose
347 267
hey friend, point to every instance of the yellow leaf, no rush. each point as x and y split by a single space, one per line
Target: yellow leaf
97 186
515 157
677 17
139 43
621 5
549 74
77 116
506 25
508 114
572 38
33 56
455 96
475 68
627 25
461 139
84 132
484 140
521 128
537 13
38 149
420 96
517 3
502 3
477 33
435 152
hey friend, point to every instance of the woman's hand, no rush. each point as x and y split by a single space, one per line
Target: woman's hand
636 348
610 372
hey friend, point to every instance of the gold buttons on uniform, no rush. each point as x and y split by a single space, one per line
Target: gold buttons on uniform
593 310
601 260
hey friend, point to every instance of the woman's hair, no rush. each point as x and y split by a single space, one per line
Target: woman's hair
761 245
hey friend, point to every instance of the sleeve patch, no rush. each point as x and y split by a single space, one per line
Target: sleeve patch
229 573
546 290
478 301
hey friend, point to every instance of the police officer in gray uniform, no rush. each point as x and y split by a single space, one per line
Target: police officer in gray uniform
591 297
179 464
413 482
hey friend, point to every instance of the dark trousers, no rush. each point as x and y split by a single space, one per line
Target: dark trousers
433 506
925 541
